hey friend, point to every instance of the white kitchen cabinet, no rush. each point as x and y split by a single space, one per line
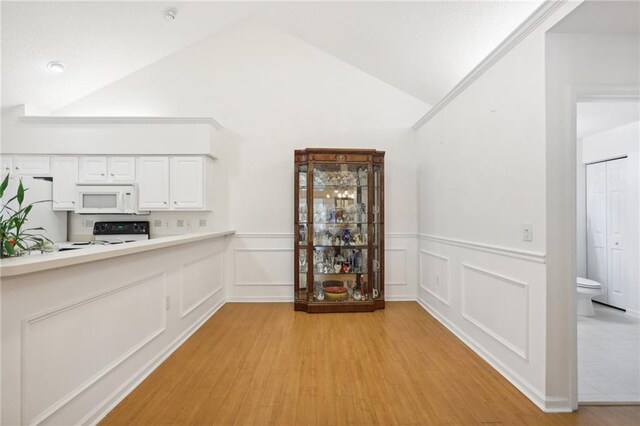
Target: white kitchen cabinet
6 165
122 169
153 183
187 183
93 169
102 169
31 165
65 177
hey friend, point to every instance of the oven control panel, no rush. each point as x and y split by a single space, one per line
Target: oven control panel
120 228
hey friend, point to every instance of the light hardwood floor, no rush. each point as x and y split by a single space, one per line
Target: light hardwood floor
266 364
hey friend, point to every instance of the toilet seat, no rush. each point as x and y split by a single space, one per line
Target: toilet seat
587 283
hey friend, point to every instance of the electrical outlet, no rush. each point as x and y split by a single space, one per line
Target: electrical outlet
203 223
180 223
157 223
527 232
88 224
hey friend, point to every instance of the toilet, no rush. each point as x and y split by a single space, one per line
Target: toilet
587 289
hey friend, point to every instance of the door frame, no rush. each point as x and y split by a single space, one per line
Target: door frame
574 95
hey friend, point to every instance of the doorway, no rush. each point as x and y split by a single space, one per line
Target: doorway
608 221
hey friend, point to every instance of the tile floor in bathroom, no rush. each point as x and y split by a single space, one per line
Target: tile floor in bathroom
608 356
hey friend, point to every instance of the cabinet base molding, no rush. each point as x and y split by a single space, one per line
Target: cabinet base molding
339 307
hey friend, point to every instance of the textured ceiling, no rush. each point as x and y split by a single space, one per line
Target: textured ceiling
421 48
596 117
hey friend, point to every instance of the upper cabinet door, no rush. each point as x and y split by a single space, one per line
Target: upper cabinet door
122 169
153 183
32 165
65 177
187 183
93 169
6 165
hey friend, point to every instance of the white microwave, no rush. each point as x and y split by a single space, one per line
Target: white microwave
107 199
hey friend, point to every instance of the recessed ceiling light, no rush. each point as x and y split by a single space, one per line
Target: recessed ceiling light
170 14
56 66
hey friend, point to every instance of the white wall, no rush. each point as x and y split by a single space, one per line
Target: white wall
482 175
275 94
614 143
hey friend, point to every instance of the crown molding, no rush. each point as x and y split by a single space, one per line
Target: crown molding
52 119
540 15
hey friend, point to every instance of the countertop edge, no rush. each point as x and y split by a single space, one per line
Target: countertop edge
29 264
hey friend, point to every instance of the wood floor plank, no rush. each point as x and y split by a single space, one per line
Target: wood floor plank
264 364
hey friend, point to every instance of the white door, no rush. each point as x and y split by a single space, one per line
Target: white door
122 169
65 177
187 183
617 211
597 225
153 183
93 169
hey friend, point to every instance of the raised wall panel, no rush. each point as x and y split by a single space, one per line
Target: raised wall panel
263 267
200 280
498 305
68 349
395 267
434 275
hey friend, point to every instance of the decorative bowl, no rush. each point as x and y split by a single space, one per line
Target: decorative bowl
335 293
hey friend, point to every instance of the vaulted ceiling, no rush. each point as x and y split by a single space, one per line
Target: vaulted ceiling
421 48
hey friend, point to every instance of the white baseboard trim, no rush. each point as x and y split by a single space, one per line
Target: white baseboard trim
99 412
633 313
548 405
260 299
409 298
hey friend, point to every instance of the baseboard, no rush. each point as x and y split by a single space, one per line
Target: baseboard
633 313
260 299
98 413
548 405
388 298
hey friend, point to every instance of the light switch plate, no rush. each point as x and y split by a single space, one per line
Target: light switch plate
527 232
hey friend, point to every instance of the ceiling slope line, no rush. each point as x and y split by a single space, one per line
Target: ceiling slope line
52 119
539 16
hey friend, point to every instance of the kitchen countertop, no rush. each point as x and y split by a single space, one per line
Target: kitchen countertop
40 262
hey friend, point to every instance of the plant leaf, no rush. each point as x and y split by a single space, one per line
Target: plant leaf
4 185
20 194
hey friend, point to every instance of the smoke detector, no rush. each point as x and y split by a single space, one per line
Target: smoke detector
170 14
56 66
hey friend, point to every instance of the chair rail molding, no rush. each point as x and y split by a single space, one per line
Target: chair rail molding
530 256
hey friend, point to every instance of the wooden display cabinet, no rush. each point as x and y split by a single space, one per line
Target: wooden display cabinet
339 230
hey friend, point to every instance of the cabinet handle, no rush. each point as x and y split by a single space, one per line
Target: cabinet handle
17 168
175 202
101 174
164 202
73 202
111 174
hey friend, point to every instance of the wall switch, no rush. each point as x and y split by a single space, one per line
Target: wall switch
203 223
527 232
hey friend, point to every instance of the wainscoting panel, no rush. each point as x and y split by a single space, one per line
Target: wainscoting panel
487 301
83 341
199 280
395 266
434 276
489 298
263 266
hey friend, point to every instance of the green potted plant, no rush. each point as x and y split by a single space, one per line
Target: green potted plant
15 237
